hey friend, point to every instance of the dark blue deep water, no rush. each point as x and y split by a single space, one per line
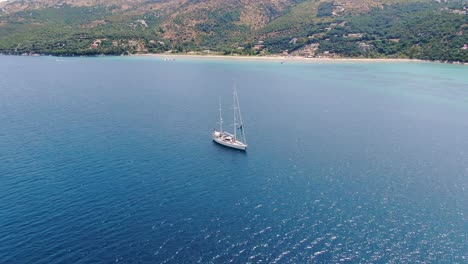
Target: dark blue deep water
106 160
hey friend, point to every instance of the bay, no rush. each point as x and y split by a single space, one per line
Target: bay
110 159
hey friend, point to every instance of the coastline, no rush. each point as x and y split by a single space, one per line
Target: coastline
270 58
277 58
282 59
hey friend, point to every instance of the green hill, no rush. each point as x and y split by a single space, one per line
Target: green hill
422 29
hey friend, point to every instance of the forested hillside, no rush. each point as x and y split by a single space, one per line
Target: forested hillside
422 29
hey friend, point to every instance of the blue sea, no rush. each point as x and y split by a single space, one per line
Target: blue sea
110 160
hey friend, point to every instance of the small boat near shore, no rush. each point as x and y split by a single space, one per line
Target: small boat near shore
237 139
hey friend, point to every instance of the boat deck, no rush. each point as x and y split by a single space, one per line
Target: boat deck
228 140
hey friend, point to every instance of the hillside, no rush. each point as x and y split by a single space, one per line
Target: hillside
423 29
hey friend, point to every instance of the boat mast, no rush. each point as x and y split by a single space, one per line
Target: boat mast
235 110
220 117
241 124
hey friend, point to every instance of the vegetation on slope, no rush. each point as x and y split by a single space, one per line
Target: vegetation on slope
382 28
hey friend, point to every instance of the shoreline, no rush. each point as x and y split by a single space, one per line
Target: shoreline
283 59
277 58
270 58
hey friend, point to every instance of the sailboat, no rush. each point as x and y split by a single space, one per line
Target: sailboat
237 139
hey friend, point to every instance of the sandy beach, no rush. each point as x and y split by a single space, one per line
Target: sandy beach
275 58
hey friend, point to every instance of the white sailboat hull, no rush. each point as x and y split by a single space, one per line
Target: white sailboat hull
228 140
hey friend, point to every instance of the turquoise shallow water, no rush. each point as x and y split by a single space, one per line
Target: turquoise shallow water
110 160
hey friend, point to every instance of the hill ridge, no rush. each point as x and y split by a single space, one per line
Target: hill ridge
423 29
